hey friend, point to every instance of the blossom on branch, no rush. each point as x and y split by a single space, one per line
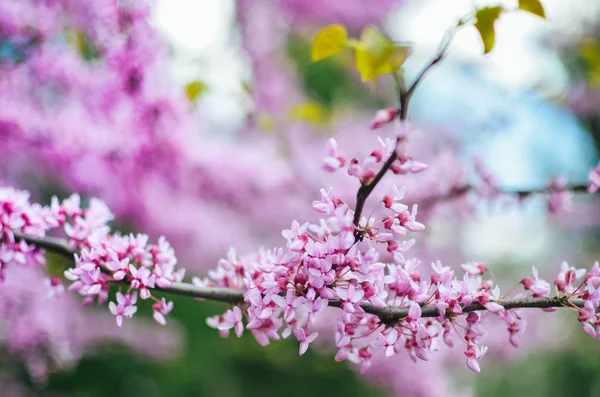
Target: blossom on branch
594 179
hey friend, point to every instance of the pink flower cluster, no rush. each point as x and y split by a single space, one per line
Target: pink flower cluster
366 169
17 214
560 199
104 259
594 179
364 270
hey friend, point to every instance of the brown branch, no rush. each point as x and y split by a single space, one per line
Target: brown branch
441 53
388 315
460 191
55 245
405 95
365 190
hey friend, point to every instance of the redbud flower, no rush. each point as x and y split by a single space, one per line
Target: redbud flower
125 307
538 286
161 309
594 179
388 341
54 287
567 276
383 117
120 267
475 268
233 319
305 339
334 159
560 199
475 353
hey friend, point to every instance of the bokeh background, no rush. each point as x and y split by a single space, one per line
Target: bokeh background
205 121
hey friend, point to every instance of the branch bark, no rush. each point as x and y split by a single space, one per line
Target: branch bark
460 191
405 95
388 315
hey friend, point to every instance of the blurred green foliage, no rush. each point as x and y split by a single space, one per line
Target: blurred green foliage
209 366
573 370
329 82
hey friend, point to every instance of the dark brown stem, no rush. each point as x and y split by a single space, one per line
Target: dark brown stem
460 191
405 95
441 53
365 190
388 315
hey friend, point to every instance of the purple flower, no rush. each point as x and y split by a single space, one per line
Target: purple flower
594 179
125 307
160 310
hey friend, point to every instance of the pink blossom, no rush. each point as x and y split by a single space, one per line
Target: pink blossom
474 354
475 268
350 297
120 267
334 159
560 199
567 276
414 313
388 341
538 286
160 310
143 280
125 307
233 319
305 339
383 117
594 179
54 287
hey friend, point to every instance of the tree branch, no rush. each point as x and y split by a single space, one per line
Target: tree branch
388 315
405 95
365 190
460 191
441 53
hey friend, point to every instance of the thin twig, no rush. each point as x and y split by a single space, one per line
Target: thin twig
404 95
460 191
441 53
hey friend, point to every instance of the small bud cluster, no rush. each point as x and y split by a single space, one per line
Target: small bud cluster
104 259
366 169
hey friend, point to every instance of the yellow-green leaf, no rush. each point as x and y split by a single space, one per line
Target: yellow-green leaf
194 89
84 46
589 51
329 41
533 6
375 54
247 88
265 122
310 112
486 18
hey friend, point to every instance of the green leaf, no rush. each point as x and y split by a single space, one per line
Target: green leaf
329 41
533 6
589 52
328 82
375 54
84 46
486 18
310 112
195 89
265 122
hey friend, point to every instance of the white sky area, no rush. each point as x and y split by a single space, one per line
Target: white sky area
205 47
